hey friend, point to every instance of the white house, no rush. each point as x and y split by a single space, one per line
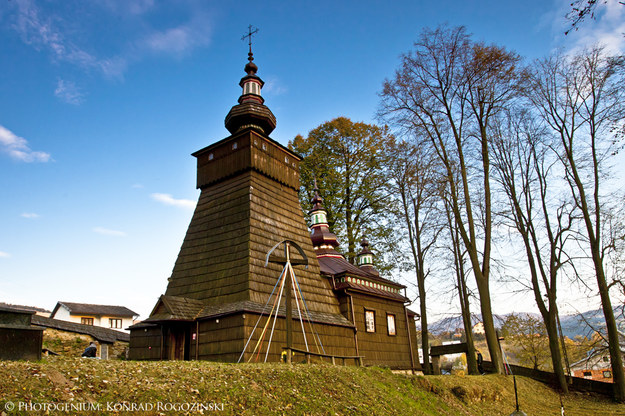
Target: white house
106 316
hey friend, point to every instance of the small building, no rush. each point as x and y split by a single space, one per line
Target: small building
105 316
19 339
595 366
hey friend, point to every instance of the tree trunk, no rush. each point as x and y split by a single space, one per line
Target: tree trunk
489 326
425 341
554 349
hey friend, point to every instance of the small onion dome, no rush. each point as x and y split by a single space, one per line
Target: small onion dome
365 258
251 111
321 235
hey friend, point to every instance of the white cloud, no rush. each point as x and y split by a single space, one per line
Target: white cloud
137 186
167 199
17 148
67 92
607 28
30 215
46 33
179 40
273 86
4 255
107 231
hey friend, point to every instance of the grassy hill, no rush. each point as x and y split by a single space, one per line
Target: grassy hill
109 387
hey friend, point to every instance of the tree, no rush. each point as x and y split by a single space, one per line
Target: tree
524 168
448 91
414 185
581 9
528 334
581 100
347 161
458 265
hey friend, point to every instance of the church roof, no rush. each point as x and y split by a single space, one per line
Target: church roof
332 263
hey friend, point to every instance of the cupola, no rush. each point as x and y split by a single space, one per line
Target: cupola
251 112
321 236
365 258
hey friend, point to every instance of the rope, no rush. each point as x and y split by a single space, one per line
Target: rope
276 315
268 320
258 320
299 312
312 329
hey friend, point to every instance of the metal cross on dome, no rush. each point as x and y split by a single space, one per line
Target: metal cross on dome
249 35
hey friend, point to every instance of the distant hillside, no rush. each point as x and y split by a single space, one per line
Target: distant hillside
97 387
579 324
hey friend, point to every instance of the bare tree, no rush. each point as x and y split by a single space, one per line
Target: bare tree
524 169
458 264
414 185
448 91
581 100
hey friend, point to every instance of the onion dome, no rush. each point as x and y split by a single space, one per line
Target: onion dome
251 111
365 258
321 236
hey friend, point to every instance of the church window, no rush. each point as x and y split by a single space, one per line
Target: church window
390 322
369 321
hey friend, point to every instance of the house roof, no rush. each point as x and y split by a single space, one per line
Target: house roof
100 334
9 306
91 309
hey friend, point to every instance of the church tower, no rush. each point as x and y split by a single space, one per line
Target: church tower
220 282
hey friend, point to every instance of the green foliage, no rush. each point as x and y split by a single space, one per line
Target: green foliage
529 337
348 161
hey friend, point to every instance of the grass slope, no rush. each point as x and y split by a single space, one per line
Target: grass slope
271 389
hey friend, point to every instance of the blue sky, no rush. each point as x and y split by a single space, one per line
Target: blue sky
102 103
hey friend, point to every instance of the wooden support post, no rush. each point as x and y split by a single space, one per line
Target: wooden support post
436 364
333 360
289 318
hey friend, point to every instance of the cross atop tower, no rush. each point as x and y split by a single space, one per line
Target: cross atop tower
249 36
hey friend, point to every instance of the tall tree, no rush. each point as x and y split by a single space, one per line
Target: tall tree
458 265
347 160
413 183
582 101
448 90
524 165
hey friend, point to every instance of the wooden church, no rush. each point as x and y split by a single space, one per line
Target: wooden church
215 304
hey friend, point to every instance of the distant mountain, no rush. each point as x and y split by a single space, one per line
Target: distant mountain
451 323
582 324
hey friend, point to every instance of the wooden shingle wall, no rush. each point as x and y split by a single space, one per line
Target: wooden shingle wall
236 222
145 343
275 216
378 347
212 265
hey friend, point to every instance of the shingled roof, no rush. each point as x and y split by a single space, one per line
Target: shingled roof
98 310
100 334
